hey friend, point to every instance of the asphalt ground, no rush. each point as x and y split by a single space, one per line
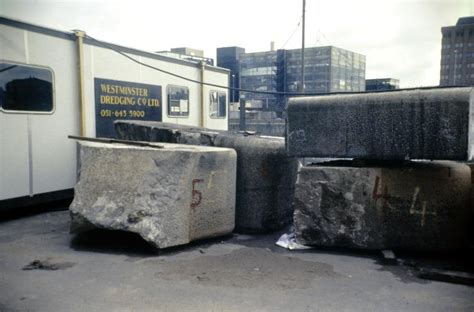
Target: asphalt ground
44 268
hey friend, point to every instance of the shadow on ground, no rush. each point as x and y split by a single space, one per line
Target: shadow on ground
131 244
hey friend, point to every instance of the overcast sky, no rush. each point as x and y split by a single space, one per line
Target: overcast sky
400 38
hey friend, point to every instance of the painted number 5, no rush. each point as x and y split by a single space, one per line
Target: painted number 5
196 195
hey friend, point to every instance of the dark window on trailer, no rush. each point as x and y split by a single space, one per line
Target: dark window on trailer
178 101
218 104
25 88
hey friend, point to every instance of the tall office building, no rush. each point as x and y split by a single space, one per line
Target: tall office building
229 57
327 69
457 53
258 71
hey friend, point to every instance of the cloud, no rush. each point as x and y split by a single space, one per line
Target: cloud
400 38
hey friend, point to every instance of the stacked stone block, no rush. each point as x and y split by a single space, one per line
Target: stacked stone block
384 198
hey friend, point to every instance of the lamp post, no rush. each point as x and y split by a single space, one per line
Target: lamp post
233 88
302 47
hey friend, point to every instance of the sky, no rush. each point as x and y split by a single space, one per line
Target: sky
400 38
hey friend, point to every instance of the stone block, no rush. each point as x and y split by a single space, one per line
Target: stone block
152 131
169 195
415 205
433 124
265 182
265 174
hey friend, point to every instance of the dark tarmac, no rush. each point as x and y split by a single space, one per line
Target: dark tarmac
44 268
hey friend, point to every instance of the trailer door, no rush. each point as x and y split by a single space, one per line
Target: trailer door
26 92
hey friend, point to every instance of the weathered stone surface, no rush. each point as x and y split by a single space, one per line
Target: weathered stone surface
170 195
471 239
152 131
265 174
406 124
418 205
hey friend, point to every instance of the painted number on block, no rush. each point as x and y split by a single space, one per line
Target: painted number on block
384 196
196 195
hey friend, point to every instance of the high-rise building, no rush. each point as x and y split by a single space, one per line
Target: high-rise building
259 72
457 53
327 69
229 57
382 84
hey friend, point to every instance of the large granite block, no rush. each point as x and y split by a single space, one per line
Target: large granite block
152 131
265 174
433 124
419 205
170 195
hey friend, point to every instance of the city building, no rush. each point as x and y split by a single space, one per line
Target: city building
327 70
229 57
188 54
188 51
457 53
259 72
382 84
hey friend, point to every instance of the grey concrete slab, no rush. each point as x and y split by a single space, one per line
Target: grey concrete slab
241 273
406 124
265 174
170 195
415 205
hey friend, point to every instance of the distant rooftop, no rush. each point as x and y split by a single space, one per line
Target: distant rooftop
469 20
188 51
187 57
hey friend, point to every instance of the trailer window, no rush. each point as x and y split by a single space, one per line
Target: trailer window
218 104
25 88
178 101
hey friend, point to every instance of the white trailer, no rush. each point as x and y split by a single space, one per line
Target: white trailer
54 84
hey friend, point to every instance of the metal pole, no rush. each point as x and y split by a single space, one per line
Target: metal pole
80 63
203 68
302 49
242 125
233 86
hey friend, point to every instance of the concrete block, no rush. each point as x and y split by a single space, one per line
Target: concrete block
152 131
471 165
170 195
265 182
265 174
432 124
417 205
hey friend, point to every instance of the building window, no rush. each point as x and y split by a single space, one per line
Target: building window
178 101
25 88
217 104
